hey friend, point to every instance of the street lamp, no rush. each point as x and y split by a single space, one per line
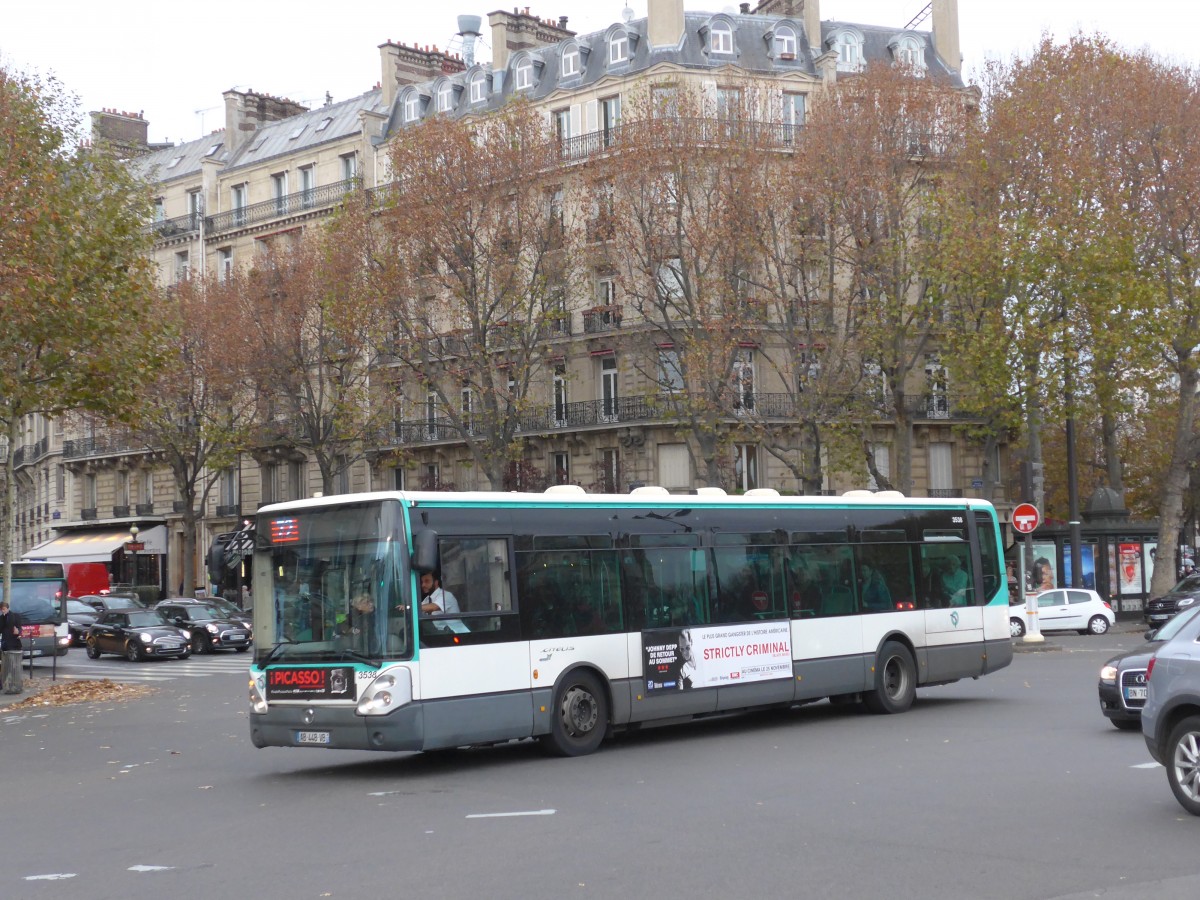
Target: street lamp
133 546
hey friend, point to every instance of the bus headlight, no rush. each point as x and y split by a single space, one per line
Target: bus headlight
391 689
258 694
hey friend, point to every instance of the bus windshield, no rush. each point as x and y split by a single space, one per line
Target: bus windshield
37 600
331 584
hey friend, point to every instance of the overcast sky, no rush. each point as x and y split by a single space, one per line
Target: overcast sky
173 62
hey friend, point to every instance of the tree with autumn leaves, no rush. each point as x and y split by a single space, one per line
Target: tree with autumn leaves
76 281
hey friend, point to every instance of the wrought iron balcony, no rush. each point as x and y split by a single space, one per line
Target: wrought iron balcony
317 198
102 445
180 226
600 319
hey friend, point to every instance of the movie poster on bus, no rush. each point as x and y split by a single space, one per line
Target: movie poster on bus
683 659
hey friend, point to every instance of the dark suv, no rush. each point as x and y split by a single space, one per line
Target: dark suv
1186 593
1171 716
211 628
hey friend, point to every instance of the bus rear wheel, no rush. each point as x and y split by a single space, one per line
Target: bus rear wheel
895 680
580 716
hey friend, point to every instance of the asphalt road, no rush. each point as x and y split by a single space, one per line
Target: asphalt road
1013 786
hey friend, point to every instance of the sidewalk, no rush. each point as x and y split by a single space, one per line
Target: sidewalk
33 687
1020 645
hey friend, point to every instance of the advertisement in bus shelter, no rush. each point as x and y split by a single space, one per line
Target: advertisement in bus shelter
682 659
315 683
1088 575
1044 576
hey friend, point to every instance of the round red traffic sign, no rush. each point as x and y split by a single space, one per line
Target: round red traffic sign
1025 518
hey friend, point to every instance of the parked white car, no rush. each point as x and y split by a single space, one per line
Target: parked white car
1065 609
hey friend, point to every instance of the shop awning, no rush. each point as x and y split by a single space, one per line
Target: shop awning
84 546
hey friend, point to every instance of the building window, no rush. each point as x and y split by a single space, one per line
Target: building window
229 487
268 474
279 189
431 429
523 79
560 397
412 106
881 455
570 61
909 51
793 113
194 208
562 467
308 184
478 87
349 167
562 125
720 38
89 491
60 483
745 467
670 280
121 489
610 471
398 479
445 97
610 118
664 103
237 197
941 470
181 266
729 104
609 404
295 476
465 403
606 290
670 370
618 48
937 402
849 51
343 474
224 263
743 381
785 42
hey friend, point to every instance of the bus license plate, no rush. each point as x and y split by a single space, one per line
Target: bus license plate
1135 693
312 737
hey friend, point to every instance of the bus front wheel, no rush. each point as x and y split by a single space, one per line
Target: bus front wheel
580 716
895 680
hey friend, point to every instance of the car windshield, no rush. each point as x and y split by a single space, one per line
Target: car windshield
1190 583
145 618
1171 628
78 606
205 612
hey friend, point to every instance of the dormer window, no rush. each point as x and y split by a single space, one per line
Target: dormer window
848 45
297 131
909 51
720 38
445 97
785 42
176 161
523 76
618 48
478 87
412 106
324 123
570 61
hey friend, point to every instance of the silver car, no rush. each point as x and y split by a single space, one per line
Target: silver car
1171 716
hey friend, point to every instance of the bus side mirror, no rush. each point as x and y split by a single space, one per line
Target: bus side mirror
425 551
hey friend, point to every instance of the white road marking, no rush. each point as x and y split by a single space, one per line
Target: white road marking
150 868
50 877
1149 765
535 812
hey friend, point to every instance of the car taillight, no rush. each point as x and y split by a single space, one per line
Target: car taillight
1150 668
1107 605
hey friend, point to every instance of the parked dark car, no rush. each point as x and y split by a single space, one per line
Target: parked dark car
1123 678
106 602
1186 593
1171 716
137 634
211 629
80 616
232 610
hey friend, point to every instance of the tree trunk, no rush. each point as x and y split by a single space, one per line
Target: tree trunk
1175 482
9 514
1112 453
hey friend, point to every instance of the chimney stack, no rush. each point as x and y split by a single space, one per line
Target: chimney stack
519 30
945 33
664 23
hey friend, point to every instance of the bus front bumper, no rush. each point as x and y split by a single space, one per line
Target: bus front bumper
337 728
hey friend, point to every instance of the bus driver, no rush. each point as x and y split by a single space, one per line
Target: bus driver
436 600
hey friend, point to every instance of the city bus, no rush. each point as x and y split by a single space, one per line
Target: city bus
575 615
39 592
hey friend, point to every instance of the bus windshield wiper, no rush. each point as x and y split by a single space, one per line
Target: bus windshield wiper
275 650
358 657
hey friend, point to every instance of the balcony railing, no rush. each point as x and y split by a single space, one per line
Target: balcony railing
768 408
101 445
145 509
287 205
227 510
601 319
180 226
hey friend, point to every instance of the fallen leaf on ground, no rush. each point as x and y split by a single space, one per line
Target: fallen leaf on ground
64 693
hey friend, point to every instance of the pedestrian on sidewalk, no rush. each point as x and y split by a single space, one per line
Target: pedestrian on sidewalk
10 649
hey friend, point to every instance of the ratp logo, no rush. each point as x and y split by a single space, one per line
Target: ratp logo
954 619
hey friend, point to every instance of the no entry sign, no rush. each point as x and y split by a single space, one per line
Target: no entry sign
1025 518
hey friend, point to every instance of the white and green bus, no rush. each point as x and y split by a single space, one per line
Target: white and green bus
581 614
